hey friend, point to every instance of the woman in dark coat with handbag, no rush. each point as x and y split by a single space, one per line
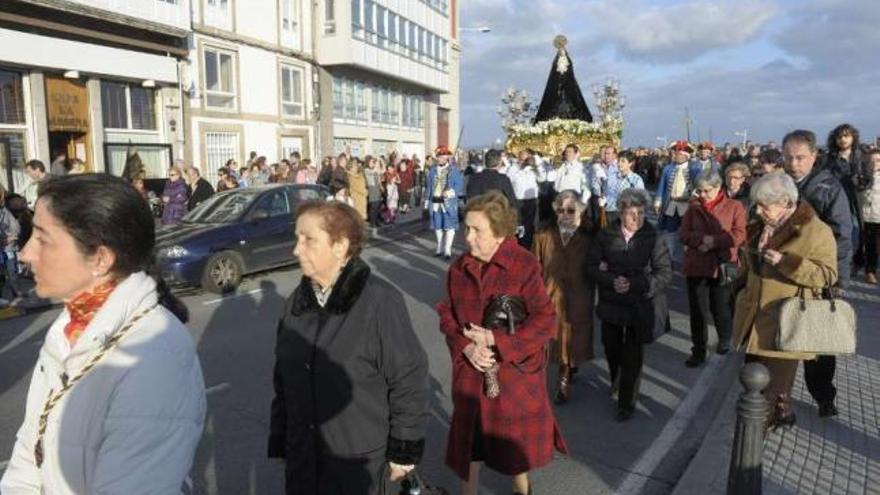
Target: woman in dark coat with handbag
351 390
631 266
516 431
712 230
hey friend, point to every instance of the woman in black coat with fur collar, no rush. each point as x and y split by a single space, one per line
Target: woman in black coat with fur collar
351 391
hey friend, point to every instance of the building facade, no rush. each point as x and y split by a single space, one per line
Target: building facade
93 80
249 82
389 75
214 80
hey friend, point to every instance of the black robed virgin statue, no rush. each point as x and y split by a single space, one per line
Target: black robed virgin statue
562 95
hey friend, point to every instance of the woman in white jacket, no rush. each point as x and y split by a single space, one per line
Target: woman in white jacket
117 402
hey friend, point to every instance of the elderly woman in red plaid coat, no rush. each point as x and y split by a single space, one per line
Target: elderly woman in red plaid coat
515 431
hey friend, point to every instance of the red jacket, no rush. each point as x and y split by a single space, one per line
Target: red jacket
726 223
519 430
407 178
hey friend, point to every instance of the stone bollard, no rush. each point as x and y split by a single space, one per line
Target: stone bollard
745 476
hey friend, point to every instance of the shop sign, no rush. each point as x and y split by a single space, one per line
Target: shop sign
67 105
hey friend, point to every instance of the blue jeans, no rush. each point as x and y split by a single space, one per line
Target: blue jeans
9 258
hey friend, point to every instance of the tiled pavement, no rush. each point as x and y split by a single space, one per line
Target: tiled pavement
839 455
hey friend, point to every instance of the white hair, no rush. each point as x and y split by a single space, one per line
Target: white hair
775 189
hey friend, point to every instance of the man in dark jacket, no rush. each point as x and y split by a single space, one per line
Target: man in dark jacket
492 178
818 187
199 188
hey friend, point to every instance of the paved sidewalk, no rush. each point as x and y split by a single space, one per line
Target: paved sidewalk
839 455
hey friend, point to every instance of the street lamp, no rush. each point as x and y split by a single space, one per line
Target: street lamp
480 29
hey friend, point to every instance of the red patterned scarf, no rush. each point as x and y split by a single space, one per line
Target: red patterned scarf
83 308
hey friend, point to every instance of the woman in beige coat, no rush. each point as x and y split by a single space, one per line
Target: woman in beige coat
789 248
561 249
357 187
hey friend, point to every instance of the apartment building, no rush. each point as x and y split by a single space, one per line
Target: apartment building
90 79
249 81
389 75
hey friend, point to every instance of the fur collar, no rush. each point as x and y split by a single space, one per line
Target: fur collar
346 291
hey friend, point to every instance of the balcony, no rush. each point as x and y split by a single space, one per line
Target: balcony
374 54
166 16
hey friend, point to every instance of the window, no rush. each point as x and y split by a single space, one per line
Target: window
219 77
11 98
329 17
412 112
12 158
305 194
394 117
217 14
413 40
290 22
275 204
392 28
381 24
357 19
292 91
348 100
220 147
360 92
376 111
143 108
337 99
126 106
369 7
114 107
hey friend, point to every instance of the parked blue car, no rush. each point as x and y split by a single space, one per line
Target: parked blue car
232 234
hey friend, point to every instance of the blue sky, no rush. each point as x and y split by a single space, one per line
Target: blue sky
766 66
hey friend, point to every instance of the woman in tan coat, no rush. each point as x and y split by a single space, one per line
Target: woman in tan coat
789 247
561 249
357 187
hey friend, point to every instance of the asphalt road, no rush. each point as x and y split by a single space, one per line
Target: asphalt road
236 335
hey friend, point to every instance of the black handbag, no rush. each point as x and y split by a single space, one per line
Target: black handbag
727 272
505 311
413 484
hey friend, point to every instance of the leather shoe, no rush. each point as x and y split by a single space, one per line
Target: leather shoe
871 278
624 414
827 409
695 360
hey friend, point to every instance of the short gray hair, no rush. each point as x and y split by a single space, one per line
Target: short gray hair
632 197
708 178
775 189
569 194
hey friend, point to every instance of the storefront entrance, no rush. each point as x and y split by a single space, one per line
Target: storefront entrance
67 102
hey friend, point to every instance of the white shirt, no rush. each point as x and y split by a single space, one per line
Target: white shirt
546 170
524 181
571 175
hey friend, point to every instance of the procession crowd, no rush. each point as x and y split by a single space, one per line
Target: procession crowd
117 400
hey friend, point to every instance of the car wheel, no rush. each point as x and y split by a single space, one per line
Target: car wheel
222 273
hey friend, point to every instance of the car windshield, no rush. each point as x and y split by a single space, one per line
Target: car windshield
222 208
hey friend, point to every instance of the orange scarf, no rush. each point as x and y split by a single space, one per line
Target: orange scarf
83 308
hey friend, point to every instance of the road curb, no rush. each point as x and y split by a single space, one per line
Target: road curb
707 470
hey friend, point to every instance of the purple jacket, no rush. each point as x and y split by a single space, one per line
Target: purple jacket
175 209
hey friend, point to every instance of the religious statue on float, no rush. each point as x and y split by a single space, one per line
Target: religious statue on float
563 116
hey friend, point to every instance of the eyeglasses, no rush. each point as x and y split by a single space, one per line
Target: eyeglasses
570 211
736 177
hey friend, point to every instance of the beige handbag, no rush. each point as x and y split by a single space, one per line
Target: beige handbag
821 326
